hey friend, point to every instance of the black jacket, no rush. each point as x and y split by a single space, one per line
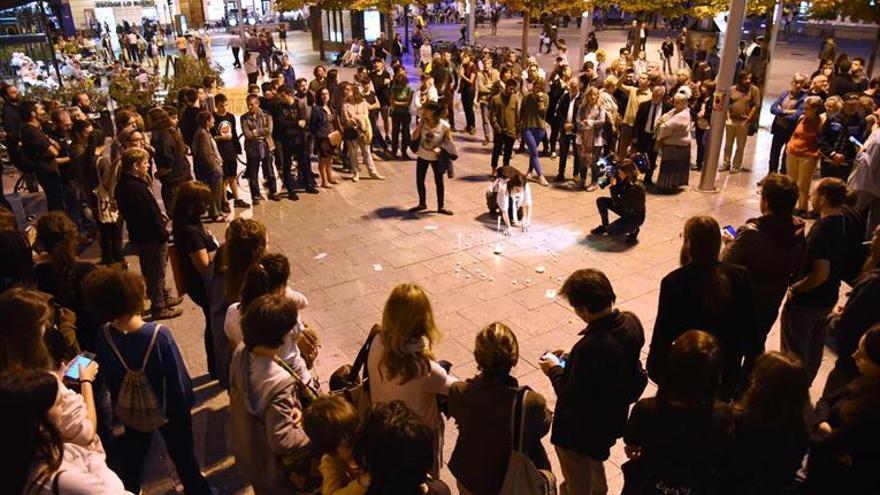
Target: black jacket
683 306
591 405
630 198
171 164
561 111
644 139
140 210
860 312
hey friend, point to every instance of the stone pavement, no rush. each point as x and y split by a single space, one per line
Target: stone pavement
349 246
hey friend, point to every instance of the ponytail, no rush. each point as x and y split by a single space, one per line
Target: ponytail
268 275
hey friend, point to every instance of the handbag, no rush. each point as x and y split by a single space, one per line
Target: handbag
335 138
347 382
107 212
522 476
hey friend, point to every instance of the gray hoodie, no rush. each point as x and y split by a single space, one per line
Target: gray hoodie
261 427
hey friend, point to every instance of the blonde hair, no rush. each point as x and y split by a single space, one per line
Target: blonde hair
408 332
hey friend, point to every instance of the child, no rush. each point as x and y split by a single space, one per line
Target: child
226 135
331 423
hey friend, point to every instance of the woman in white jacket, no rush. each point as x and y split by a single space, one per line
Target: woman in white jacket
673 136
37 461
265 416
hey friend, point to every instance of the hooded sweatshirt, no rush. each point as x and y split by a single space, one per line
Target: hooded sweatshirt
261 427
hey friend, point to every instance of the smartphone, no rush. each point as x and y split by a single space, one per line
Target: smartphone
84 358
730 230
561 360
855 141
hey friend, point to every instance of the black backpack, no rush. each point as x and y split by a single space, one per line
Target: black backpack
637 377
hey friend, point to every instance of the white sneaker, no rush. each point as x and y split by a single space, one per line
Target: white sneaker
355 178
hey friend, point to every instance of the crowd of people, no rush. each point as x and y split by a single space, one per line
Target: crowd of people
94 373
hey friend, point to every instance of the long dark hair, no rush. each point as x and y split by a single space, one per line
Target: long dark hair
266 276
702 244
21 336
778 396
58 234
693 370
29 438
190 202
245 244
160 121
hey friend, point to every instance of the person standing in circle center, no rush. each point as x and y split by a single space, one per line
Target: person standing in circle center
431 133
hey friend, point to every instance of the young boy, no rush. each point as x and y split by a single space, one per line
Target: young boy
331 423
226 135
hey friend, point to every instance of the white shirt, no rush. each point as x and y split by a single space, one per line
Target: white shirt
520 199
430 139
288 351
82 472
425 52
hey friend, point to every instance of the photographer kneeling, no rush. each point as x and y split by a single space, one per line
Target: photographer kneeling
627 200
510 193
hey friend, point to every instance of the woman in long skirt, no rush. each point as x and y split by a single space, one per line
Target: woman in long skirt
674 140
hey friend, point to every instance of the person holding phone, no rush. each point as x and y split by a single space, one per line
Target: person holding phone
591 389
26 314
770 248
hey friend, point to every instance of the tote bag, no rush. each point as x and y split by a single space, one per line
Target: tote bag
523 477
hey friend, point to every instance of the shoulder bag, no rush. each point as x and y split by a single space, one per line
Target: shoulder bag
523 477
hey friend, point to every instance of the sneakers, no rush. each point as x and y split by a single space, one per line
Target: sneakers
165 314
355 178
632 237
553 155
599 230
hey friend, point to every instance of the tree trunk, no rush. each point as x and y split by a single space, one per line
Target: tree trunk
320 27
765 53
525 36
390 28
874 53
406 28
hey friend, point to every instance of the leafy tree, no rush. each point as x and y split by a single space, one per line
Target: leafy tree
866 11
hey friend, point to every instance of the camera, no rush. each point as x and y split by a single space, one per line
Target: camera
608 168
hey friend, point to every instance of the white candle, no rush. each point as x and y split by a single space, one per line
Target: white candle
499 224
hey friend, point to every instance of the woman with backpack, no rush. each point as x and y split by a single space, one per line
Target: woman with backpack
401 363
485 407
160 397
265 414
38 460
679 437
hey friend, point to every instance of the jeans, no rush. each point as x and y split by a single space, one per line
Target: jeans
235 52
623 225
169 192
354 146
110 240
701 135
803 334
487 123
422 172
667 63
502 143
532 136
801 169
583 475
50 181
153 257
738 132
779 140
284 163
218 196
400 133
566 143
467 102
177 433
252 171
